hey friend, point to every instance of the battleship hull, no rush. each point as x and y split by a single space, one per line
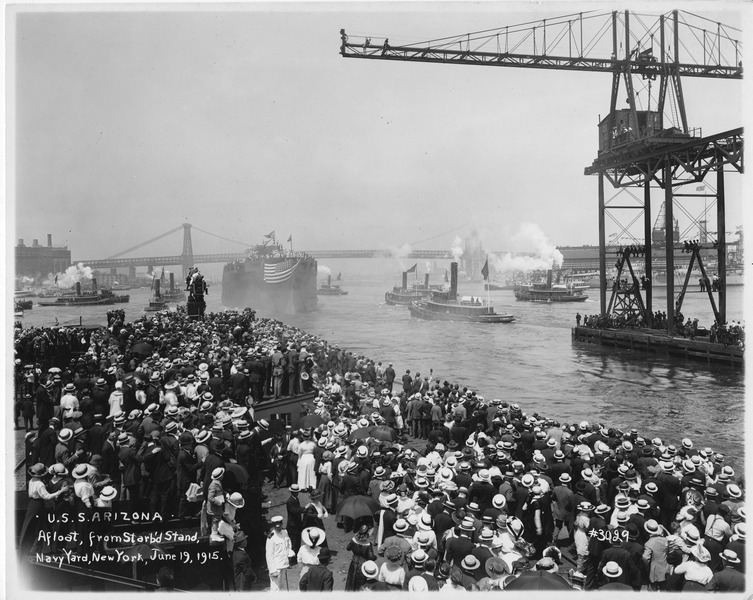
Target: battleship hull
254 283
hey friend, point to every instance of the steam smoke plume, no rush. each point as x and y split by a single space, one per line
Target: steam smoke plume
541 254
73 275
457 248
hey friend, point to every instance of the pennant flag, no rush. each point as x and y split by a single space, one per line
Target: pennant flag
270 235
485 270
700 188
446 277
412 269
339 275
56 278
290 239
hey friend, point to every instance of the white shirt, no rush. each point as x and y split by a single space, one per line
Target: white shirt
279 550
69 403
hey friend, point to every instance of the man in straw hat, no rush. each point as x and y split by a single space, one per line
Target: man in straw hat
730 578
613 575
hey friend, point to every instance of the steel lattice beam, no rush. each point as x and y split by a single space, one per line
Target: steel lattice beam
529 61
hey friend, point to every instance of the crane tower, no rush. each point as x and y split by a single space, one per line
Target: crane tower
639 146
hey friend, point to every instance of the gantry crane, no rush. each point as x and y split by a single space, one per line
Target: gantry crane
638 145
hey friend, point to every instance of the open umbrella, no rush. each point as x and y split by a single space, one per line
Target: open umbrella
384 433
142 348
361 433
538 580
358 506
310 421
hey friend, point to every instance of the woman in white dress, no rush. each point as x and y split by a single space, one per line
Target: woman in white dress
306 462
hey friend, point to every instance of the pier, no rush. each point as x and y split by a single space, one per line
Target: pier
658 342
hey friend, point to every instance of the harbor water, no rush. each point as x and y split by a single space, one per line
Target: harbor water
531 361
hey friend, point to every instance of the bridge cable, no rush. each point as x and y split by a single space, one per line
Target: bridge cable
223 238
141 245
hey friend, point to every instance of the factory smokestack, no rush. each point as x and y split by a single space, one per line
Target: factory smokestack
426 281
49 240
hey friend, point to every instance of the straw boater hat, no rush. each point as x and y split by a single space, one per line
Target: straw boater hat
65 435
81 471
108 493
218 473
370 569
470 563
612 570
730 557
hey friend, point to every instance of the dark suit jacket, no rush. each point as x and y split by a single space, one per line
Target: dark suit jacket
110 463
317 579
295 514
457 549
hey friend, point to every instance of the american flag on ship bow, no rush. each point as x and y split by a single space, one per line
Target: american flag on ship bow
279 272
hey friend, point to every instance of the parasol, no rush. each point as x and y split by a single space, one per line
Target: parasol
538 580
384 433
358 506
142 348
361 433
310 421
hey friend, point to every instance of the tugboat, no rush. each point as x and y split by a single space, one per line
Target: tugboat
445 306
174 295
547 292
404 295
327 289
23 304
157 302
94 297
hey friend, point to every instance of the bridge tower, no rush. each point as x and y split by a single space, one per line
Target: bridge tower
187 255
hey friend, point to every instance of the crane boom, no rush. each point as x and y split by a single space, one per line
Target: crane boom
645 68
614 47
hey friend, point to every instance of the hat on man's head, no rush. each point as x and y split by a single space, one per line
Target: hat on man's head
612 570
730 556
470 563
108 493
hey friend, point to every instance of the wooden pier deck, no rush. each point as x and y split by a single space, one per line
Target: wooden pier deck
657 342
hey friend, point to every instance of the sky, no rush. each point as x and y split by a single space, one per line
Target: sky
245 120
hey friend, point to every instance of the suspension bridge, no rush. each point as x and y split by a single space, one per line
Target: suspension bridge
188 258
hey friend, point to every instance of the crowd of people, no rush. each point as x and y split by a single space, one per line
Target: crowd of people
728 334
441 488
